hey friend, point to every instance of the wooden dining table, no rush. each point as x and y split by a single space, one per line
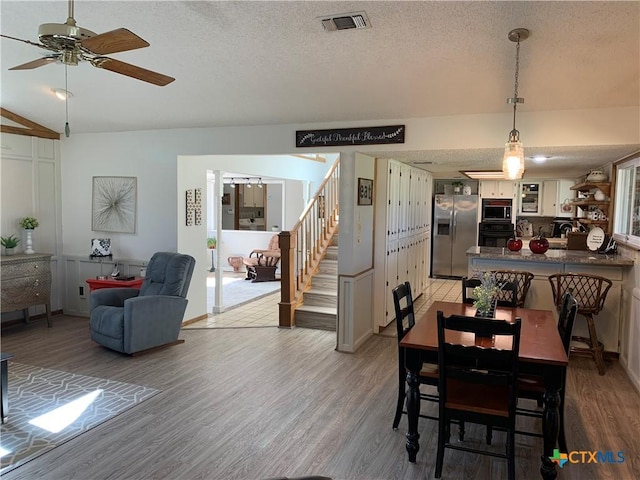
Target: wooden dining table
541 353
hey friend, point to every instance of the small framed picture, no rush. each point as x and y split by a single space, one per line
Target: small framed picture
365 191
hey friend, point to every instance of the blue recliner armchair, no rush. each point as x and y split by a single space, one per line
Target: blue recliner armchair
130 321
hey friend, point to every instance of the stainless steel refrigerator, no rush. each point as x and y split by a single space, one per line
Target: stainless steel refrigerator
455 229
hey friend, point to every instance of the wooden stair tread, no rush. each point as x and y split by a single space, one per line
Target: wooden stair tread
321 291
316 309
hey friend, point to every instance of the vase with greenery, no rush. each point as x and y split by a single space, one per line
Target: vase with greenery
211 242
29 223
9 243
457 186
485 294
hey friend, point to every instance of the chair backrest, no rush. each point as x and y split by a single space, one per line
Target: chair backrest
566 320
481 363
590 291
168 273
274 244
403 291
468 284
508 294
507 297
520 278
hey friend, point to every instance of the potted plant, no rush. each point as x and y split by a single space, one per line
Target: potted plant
9 243
457 186
211 242
29 223
485 295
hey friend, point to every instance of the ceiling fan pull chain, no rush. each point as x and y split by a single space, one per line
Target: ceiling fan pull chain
67 130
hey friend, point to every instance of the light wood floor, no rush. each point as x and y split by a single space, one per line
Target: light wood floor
259 403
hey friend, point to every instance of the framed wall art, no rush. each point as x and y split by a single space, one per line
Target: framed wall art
113 204
365 191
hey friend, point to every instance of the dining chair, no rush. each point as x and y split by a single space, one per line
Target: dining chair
429 374
477 383
532 386
522 280
590 291
507 297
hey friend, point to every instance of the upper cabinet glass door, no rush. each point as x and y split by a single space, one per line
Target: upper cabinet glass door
530 198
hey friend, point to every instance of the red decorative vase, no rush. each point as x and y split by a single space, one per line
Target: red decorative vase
514 244
539 244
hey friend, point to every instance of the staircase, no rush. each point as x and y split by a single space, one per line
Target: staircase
319 309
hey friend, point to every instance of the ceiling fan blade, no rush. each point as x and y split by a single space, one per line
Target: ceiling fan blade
37 63
132 71
120 40
29 42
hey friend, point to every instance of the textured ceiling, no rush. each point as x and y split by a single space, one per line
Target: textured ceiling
256 63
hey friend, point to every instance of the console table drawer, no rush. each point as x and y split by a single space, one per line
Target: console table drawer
26 291
26 281
37 266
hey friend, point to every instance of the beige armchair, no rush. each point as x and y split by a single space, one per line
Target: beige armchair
261 264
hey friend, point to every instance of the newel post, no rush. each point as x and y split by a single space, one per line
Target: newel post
287 279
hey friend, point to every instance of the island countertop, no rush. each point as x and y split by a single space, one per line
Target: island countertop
551 256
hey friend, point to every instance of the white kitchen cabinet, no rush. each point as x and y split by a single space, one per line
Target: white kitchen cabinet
402 239
497 189
252 197
549 198
530 199
555 194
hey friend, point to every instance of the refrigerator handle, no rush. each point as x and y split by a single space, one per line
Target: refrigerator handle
454 218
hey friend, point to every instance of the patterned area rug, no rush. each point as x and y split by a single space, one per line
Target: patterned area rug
49 407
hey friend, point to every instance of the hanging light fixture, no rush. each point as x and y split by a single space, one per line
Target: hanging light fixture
260 183
513 161
247 183
233 183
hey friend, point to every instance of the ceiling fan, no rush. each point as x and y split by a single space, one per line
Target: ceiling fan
71 44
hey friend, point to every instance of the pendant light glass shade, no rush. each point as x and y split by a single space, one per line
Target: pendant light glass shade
513 161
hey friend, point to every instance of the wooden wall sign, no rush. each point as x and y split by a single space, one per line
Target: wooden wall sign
350 136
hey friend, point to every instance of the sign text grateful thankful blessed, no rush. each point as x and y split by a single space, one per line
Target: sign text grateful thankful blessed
350 136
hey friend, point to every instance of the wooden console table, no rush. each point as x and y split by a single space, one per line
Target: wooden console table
26 281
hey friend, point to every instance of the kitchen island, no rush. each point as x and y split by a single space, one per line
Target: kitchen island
561 261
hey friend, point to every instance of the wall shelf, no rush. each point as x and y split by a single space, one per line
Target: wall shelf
604 187
585 204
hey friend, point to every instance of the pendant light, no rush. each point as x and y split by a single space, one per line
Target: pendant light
513 161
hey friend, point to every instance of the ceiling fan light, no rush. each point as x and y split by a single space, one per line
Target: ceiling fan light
513 161
61 93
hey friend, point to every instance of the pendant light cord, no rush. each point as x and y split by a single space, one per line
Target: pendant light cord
514 134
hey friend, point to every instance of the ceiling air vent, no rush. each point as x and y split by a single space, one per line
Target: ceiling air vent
345 21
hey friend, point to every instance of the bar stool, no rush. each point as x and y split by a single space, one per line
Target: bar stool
590 291
520 278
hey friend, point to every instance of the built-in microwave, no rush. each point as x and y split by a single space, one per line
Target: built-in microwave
496 210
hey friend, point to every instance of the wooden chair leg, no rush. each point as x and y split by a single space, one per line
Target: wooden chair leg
443 436
401 397
596 346
511 454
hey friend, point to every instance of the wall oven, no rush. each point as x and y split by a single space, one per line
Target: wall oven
495 234
496 210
